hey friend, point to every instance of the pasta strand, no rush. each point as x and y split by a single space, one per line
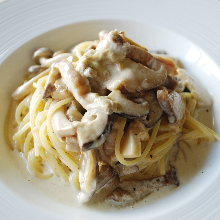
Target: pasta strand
145 152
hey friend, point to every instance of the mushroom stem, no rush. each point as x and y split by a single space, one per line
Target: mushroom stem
88 175
47 62
27 87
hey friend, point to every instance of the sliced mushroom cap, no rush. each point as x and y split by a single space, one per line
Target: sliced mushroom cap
88 175
42 53
141 55
107 150
115 71
47 92
132 190
76 83
133 76
72 113
170 83
129 109
79 86
94 130
61 91
125 170
49 85
155 110
131 42
107 177
172 104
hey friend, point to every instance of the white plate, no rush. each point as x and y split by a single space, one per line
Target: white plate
186 29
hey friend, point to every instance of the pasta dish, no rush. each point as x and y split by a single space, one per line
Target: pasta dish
106 117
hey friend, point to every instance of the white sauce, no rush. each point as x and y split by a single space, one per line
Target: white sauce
188 161
64 193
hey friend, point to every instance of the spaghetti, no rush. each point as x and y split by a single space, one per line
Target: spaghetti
65 111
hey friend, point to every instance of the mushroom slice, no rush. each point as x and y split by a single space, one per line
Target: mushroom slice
155 110
88 175
61 91
131 42
94 129
128 108
125 170
73 113
62 127
133 76
117 71
170 83
132 190
172 104
141 55
109 145
47 92
79 86
49 85
107 177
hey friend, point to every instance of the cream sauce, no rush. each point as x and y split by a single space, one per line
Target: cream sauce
190 159
187 160
187 164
